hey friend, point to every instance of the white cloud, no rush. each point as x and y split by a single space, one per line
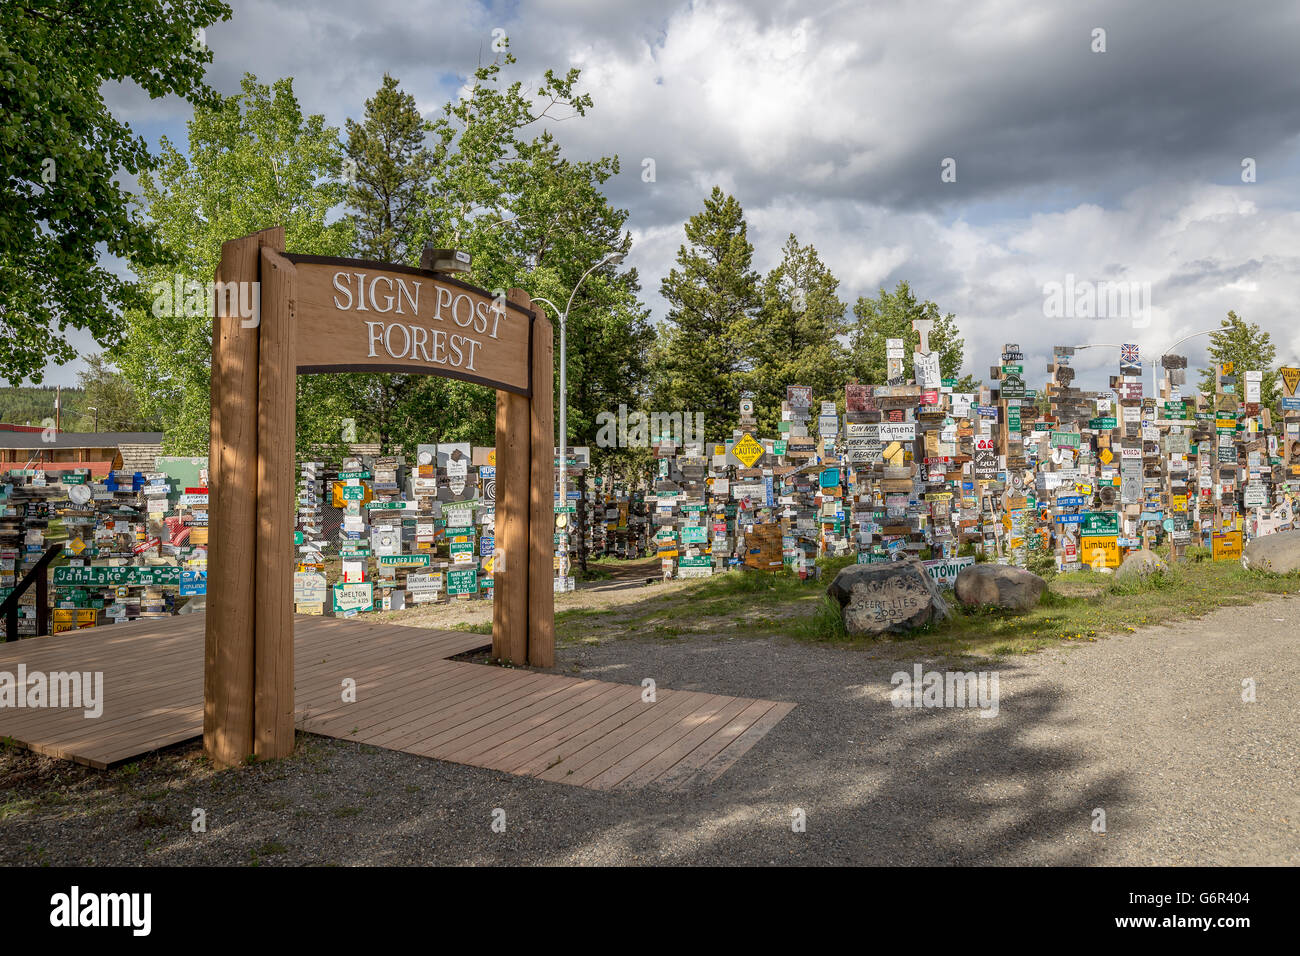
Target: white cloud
830 120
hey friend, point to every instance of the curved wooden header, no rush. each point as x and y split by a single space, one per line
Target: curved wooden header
358 316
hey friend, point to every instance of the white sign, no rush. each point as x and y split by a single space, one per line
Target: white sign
926 366
897 431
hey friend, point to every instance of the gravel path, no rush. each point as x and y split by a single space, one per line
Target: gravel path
1148 726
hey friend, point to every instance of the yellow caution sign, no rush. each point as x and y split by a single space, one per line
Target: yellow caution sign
748 450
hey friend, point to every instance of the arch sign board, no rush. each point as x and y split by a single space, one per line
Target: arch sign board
316 315
373 317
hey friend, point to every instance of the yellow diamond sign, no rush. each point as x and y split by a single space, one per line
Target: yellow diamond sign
748 450
1106 456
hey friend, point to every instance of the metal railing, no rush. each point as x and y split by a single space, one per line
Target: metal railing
37 575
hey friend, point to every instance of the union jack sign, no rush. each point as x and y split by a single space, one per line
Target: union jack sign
1128 354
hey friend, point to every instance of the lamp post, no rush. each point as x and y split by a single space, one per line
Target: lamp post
612 259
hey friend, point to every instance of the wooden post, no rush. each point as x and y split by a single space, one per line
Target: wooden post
228 695
510 586
273 707
541 590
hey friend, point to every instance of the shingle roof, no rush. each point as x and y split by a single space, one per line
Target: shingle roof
34 440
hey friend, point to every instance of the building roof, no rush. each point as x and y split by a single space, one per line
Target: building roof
34 441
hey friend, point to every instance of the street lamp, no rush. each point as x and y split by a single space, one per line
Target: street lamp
612 259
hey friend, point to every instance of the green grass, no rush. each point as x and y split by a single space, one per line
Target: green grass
1079 606
1085 605
825 624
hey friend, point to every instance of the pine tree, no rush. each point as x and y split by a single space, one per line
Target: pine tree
1250 349
889 316
796 334
706 350
387 165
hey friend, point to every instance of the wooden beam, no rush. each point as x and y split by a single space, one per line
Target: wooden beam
510 584
273 733
541 522
232 469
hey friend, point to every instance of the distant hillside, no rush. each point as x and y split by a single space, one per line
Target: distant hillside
32 405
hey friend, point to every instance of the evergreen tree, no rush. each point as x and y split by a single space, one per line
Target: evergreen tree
116 407
1250 349
796 337
387 166
705 354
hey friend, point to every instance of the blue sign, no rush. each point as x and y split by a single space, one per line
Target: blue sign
486 544
830 478
1291 404
1069 519
769 489
194 583
1070 501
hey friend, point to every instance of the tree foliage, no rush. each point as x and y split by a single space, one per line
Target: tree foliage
889 315
1250 349
61 205
537 220
254 161
387 166
110 402
796 337
704 356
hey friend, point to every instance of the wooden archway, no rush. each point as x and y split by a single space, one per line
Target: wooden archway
328 315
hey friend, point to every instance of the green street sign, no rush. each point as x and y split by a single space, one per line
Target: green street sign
1101 523
116 577
1102 424
405 560
462 582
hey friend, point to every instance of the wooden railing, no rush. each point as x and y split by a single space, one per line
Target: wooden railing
39 576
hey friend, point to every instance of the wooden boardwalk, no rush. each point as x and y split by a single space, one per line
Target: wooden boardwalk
408 697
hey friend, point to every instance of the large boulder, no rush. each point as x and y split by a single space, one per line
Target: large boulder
999 585
1141 564
893 597
1278 552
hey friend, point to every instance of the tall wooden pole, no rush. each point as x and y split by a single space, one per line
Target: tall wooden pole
510 585
541 522
273 708
228 692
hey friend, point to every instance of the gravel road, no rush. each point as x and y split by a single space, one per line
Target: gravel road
1149 727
